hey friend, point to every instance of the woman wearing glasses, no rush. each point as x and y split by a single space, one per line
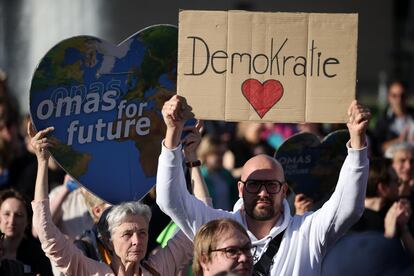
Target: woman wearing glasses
301 242
220 246
125 234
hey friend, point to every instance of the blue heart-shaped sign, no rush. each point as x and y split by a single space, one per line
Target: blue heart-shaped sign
312 167
105 104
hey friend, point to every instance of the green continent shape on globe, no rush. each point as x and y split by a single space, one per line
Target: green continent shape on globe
149 145
160 97
52 71
72 161
160 57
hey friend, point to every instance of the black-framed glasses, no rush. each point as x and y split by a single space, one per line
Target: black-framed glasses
254 186
233 252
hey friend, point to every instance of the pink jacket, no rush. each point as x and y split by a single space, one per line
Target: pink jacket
71 261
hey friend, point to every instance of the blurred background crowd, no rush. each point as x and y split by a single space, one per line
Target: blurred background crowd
385 84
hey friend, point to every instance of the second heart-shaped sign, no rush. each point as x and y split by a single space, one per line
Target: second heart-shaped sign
312 166
105 104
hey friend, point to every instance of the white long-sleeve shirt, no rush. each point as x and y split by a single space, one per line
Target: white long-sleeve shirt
306 238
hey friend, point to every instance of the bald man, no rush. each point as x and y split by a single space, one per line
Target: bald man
263 209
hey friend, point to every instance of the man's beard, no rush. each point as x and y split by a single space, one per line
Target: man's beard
262 213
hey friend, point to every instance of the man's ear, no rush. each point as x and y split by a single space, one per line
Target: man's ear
97 211
240 187
285 188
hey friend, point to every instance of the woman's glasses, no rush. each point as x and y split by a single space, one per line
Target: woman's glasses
233 252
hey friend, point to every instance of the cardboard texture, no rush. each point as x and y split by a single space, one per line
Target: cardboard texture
261 66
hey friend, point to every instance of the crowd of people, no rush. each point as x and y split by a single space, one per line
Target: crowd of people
222 204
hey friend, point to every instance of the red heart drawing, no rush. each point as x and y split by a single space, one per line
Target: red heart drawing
262 96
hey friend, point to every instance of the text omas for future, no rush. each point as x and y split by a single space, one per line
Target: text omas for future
68 106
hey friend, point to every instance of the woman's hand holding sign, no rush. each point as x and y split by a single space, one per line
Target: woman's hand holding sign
41 144
175 112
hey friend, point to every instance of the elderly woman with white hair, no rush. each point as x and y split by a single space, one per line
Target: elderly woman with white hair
402 156
126 236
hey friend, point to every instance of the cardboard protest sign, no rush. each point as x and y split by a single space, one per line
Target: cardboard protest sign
280 67
105 104
312 166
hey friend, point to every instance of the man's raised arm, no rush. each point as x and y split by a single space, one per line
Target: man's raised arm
172 196
346 204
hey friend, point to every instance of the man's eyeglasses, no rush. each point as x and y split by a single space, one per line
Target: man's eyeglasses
254 186
233 252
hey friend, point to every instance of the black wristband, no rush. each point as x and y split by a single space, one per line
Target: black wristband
193 164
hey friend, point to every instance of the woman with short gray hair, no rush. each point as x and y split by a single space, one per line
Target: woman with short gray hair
118 213
127 233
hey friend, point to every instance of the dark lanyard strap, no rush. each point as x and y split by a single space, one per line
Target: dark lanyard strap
262 267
